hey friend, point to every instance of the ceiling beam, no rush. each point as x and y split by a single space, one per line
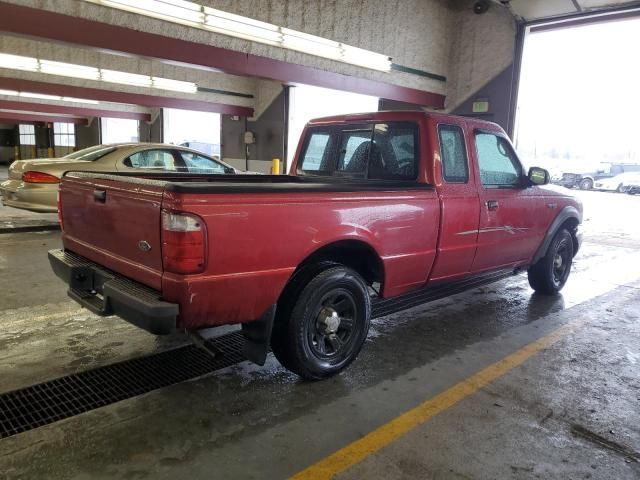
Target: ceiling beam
64 28
19 117
72 110
63 90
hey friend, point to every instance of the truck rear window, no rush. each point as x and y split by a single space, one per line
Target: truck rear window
380 151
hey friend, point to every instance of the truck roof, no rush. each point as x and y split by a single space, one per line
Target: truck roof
392 115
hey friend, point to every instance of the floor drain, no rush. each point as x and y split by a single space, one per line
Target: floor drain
48 402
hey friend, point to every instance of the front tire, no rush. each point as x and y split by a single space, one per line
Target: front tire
323 323
549 274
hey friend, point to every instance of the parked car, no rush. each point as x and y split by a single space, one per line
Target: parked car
587 180
33 184
382 211
633 187
617 183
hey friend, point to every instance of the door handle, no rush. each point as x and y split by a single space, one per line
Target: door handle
492 204
100 196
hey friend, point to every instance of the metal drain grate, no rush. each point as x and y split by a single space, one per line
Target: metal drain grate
48 402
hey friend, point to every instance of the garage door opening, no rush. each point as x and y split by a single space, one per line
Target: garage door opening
307 102
197 130
576 117
119 130
578 101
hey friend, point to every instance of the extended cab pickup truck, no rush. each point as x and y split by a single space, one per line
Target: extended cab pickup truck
381 212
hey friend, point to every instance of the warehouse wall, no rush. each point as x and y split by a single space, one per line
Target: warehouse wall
269 134
88 135
414 33
8 137
481 60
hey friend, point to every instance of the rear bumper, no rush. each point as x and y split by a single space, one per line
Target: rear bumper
106 293
35 197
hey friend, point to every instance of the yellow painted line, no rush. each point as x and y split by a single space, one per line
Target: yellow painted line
374 441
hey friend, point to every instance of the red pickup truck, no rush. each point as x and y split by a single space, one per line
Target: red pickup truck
382 211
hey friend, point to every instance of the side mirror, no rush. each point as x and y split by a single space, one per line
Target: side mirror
538 176
229 170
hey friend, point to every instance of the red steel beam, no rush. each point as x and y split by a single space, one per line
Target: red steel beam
71 110
64 28
15 117
62 90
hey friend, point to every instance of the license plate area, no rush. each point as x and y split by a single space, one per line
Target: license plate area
86 287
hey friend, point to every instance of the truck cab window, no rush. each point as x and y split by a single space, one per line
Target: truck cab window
394 152
497 161
453 154
354 152
317 153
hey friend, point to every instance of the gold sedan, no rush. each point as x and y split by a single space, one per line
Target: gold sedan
33 184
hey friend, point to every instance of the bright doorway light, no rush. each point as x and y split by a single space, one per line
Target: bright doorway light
307 102
120 130
579 97
197 130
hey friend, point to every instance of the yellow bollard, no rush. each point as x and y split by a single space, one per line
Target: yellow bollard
275 166
50 152
16 152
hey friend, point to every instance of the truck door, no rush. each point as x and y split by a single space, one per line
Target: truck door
509 230
459 202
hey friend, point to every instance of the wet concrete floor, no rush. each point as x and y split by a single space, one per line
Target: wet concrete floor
570 411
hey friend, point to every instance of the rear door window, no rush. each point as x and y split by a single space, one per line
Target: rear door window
453 154
162 160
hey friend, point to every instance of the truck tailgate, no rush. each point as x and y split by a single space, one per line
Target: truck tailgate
115 223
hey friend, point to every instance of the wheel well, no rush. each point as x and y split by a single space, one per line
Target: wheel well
354 254
571 224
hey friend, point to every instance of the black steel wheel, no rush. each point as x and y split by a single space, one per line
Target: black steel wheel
323 323
551 272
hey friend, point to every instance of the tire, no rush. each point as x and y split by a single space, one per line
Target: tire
323 321
586 184
550 273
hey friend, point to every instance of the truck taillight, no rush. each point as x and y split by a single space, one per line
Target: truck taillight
39 177
59 204
183 243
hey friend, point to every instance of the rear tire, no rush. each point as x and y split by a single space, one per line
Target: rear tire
322 322
586 184
549 274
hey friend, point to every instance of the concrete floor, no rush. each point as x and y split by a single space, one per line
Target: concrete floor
571 411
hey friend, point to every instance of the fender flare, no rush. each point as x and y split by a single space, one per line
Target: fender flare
565 214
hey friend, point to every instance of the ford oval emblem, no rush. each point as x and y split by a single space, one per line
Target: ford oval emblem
144 245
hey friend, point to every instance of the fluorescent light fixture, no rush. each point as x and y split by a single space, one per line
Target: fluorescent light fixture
175 85
199 16
42 96
177 11
125 78
17 62
79 100
92 73
69 70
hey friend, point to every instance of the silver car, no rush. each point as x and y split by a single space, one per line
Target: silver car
33 184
